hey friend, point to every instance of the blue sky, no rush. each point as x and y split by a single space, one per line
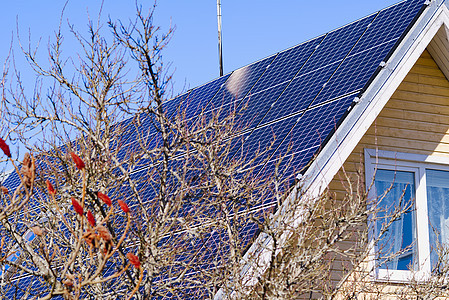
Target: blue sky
251 29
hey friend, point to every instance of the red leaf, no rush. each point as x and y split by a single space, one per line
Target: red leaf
78 161
91 219
123 206
77 206
5 148
104 198
133 259
50 188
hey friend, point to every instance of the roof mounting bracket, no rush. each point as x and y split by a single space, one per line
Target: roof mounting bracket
427 2
382 64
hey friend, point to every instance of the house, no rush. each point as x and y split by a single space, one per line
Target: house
395 127
372 96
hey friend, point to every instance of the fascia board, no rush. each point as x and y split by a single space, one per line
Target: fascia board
349 133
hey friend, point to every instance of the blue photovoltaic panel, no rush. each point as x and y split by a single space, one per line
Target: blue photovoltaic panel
12 181
211 249
171 106
268 136
355 71
290 62
135 130
226 101
318 69
389 25
300 93
131 129
287 64
257 105
336 45
148 138
313 128
199 97
193 102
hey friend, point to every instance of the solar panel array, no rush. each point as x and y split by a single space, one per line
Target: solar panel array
294 99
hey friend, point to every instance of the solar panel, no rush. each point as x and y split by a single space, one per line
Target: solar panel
12 181
266 137
318 68
171 106
336 45
286 64
255 106
389 25
300 93
312 129
199 97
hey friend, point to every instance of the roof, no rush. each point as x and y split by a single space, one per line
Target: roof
301 94
311 96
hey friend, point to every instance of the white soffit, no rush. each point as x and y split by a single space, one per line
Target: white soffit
439 49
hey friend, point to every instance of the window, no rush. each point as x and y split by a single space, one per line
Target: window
396 191
417 185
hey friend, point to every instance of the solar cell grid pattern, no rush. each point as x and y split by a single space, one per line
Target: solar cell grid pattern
293 100
311 77
198 98
300 93
336 45
313 128
390 24
171 106
286 65
255 106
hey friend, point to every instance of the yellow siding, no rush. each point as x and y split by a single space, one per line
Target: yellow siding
415 120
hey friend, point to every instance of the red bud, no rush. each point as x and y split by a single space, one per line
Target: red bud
104 198
123 206
5 148
78 161
5 190
91 219
50 188
134 260
77 206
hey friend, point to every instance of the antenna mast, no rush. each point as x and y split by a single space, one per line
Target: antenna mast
220 48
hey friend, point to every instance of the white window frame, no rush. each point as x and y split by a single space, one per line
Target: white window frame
417 163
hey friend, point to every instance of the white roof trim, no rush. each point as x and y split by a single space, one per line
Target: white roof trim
350 132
